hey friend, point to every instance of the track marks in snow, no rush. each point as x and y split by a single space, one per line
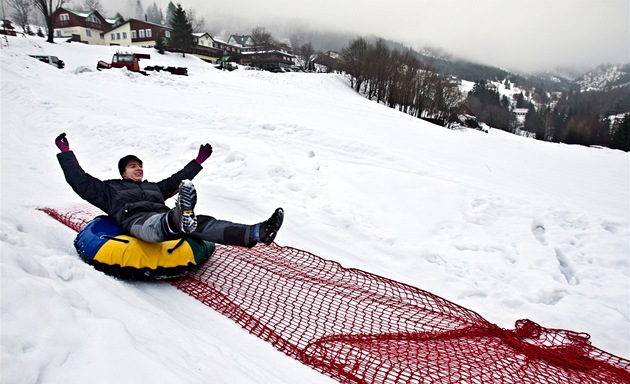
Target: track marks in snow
565 264
538 230
566 267
556 250
577 241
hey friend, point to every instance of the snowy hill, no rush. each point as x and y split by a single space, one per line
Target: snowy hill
605 77
508 227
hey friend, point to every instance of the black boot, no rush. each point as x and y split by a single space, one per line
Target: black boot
171 224
269 229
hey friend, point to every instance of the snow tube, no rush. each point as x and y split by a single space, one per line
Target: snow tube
102 244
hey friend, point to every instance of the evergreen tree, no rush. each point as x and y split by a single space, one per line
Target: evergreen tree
154 14
520 101
160 44
170 10
533 123
139 10
182 36
621 136
559 123
485 102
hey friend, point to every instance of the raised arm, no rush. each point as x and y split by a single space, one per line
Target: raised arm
89 188
169 186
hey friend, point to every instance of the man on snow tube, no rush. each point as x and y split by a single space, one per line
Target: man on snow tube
138 206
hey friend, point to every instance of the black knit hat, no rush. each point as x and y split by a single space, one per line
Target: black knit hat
122 163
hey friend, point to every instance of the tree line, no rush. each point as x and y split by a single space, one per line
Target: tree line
399 80
576 118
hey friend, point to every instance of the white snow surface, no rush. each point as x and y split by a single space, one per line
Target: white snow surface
506 226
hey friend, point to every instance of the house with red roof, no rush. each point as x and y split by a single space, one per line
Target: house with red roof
83 26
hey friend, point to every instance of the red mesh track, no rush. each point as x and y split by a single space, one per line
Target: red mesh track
362 328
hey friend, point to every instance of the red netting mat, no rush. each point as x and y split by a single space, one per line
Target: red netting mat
358 327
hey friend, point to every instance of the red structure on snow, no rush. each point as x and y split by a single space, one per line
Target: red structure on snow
358 327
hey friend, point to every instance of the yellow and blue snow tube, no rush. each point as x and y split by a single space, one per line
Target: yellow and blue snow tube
102 244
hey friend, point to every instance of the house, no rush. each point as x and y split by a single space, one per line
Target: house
465 111
206 48
265 57
204 40
327 61
520 114
245 42
136 32
228 49
86 27
220 52
270 59
464 117
7 28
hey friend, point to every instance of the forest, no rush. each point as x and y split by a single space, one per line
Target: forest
401 79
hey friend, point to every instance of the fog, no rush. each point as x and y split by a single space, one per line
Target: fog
532 35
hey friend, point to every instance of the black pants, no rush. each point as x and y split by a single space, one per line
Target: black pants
151 227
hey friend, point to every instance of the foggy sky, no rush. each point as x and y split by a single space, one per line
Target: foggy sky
528 35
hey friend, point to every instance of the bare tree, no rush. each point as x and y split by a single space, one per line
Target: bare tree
22 10
355 62
262 38
305 52
94 5
198 23
48 9
379 65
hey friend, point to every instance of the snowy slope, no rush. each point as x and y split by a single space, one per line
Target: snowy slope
509 227
605 77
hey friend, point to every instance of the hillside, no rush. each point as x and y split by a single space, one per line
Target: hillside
508 227
605 77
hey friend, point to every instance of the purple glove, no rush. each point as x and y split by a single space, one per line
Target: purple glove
62 143
205 151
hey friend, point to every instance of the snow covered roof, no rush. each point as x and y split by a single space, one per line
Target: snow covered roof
139 21
202 34
241 40
270 51
80 13
86 14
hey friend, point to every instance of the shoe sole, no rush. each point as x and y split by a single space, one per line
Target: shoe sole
187 199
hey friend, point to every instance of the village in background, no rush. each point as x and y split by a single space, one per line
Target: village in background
592 109
178 31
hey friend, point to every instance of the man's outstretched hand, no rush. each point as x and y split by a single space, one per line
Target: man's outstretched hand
62 143
205 150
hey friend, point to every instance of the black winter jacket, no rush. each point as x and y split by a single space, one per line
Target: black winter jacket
123 200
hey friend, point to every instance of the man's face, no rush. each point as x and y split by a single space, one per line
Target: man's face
133 171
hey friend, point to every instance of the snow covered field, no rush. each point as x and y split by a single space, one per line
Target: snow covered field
506 226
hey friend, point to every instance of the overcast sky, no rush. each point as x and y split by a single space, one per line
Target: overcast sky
518 35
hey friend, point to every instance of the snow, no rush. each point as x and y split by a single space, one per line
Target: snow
506 226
